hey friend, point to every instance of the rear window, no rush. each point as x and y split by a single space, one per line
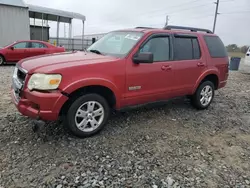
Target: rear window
215 46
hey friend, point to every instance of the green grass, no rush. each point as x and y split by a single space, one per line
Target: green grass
236 54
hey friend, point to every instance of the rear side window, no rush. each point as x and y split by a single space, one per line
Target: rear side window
215 46
196 49
37 45
186 48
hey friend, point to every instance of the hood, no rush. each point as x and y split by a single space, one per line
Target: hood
53 62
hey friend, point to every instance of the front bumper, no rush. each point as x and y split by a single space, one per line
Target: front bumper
38 105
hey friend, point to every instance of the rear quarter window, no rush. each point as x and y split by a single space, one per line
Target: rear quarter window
215 46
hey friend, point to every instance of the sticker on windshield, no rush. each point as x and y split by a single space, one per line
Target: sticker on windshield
132 37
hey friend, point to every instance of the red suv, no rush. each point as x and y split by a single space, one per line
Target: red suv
125 68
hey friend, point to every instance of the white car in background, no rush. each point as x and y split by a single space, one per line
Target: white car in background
247 59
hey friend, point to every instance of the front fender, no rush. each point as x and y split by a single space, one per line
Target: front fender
93 82
202 76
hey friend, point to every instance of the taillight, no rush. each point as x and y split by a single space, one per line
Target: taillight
228 66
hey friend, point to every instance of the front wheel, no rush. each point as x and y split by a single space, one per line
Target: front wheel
87 115
203 96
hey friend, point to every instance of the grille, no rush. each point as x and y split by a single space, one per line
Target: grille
21 75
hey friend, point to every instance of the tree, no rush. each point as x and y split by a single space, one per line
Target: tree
244 49
232 48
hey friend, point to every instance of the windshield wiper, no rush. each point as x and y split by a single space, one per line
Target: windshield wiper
96 52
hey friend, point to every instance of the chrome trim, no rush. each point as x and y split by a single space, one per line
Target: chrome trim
16 97
17 84
22 69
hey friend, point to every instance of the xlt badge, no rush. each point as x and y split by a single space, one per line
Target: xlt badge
132 88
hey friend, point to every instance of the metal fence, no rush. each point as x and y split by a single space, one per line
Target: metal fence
71 43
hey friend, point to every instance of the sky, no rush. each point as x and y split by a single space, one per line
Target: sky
233 24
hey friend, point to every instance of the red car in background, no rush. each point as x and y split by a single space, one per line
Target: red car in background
24 49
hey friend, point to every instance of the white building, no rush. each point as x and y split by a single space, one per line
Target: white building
14 19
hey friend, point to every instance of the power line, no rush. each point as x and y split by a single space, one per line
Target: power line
181 10
185 9
163 9
237 12
227 1
149 13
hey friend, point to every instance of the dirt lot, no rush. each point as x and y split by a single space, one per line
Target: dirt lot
168 146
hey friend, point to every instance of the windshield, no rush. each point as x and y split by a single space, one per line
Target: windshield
117 43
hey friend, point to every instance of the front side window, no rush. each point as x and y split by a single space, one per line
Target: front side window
20 45
118 43
37 45
159 47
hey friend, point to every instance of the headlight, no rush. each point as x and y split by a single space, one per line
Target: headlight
44 81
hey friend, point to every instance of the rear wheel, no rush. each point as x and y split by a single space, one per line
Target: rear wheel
2 60
203 96
87 115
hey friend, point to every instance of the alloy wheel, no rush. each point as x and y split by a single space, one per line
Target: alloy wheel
89 116
206 95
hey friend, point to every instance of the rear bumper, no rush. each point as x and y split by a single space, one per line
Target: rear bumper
37 105
222 84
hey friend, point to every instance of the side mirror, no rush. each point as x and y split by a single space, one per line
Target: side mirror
143 57
11 48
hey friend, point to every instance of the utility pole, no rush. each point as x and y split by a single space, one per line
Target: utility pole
216 14
167 19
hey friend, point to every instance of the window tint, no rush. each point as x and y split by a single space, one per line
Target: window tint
215 46
196 48
186 48
21 45
159 46
37 45
183 49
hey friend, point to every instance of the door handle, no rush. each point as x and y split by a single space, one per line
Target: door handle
166 67
200 64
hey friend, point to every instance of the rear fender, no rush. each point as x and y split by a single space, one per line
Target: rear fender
202 76
2 56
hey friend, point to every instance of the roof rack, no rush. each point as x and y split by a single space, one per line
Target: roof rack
193 29
144 28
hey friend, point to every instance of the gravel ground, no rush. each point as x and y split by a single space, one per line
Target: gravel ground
168 146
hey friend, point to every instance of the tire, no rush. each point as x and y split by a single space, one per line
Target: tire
2 60
203 96
87 115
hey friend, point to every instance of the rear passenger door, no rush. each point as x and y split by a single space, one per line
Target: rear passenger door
37 48
188 63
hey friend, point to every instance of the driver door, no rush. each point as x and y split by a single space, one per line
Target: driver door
149 82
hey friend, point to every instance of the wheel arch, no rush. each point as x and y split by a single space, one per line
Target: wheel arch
102 90
208 76
3 57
